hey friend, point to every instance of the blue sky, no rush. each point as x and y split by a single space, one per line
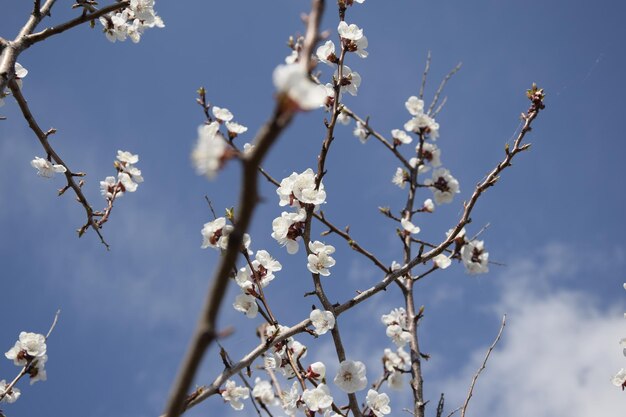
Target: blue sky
556 218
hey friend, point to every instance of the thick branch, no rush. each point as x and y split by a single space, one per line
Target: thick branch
205 332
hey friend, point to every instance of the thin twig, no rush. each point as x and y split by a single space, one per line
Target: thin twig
69 176
424 76
482 367
441 86
54 323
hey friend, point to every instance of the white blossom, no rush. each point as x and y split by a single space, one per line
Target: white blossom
294 81
12 395
351 32
619 380
107 188
360 131
288 228
351 376
409 227
37 370
326 53
442 261
398 335
289 399
317 370
400 136
622 344
395 380
378 403
350 80
246 304
235 129
234 394
263 392
127 157
400 178
443 186
214 234
429 152
343 118
323 321
222 114
395 316
317 398
320 260
208 154
474 257
428 206
45 168
299 189
29 346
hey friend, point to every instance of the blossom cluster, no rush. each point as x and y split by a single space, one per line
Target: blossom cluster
212 149
28 352
128 177
131 22
300 191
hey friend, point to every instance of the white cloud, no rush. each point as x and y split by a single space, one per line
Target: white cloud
558 353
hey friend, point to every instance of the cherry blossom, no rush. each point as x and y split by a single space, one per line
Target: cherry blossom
320 260
443 186
45 168
378 403
400 136
351 376
263 392
398 335
246 304
400 178
234 394
293 81
208 155
474 257
299 189
619 380
441 261
317 398
409 227
222 114
28 347
11 395
288 228
350 80
326 53
317 370
289 399
360 131
323 321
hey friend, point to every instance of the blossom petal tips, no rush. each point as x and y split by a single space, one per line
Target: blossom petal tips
294 82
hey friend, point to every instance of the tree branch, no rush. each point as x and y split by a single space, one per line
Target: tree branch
69 175
482 367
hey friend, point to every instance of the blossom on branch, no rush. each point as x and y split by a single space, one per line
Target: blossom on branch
320 260
378 403
28 347
351 376
323 321
234 394
443 186
294 82
45 168
474 257
318 398
10 396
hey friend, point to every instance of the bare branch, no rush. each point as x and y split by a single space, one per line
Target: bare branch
69 176
482 367
55 30
441 86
